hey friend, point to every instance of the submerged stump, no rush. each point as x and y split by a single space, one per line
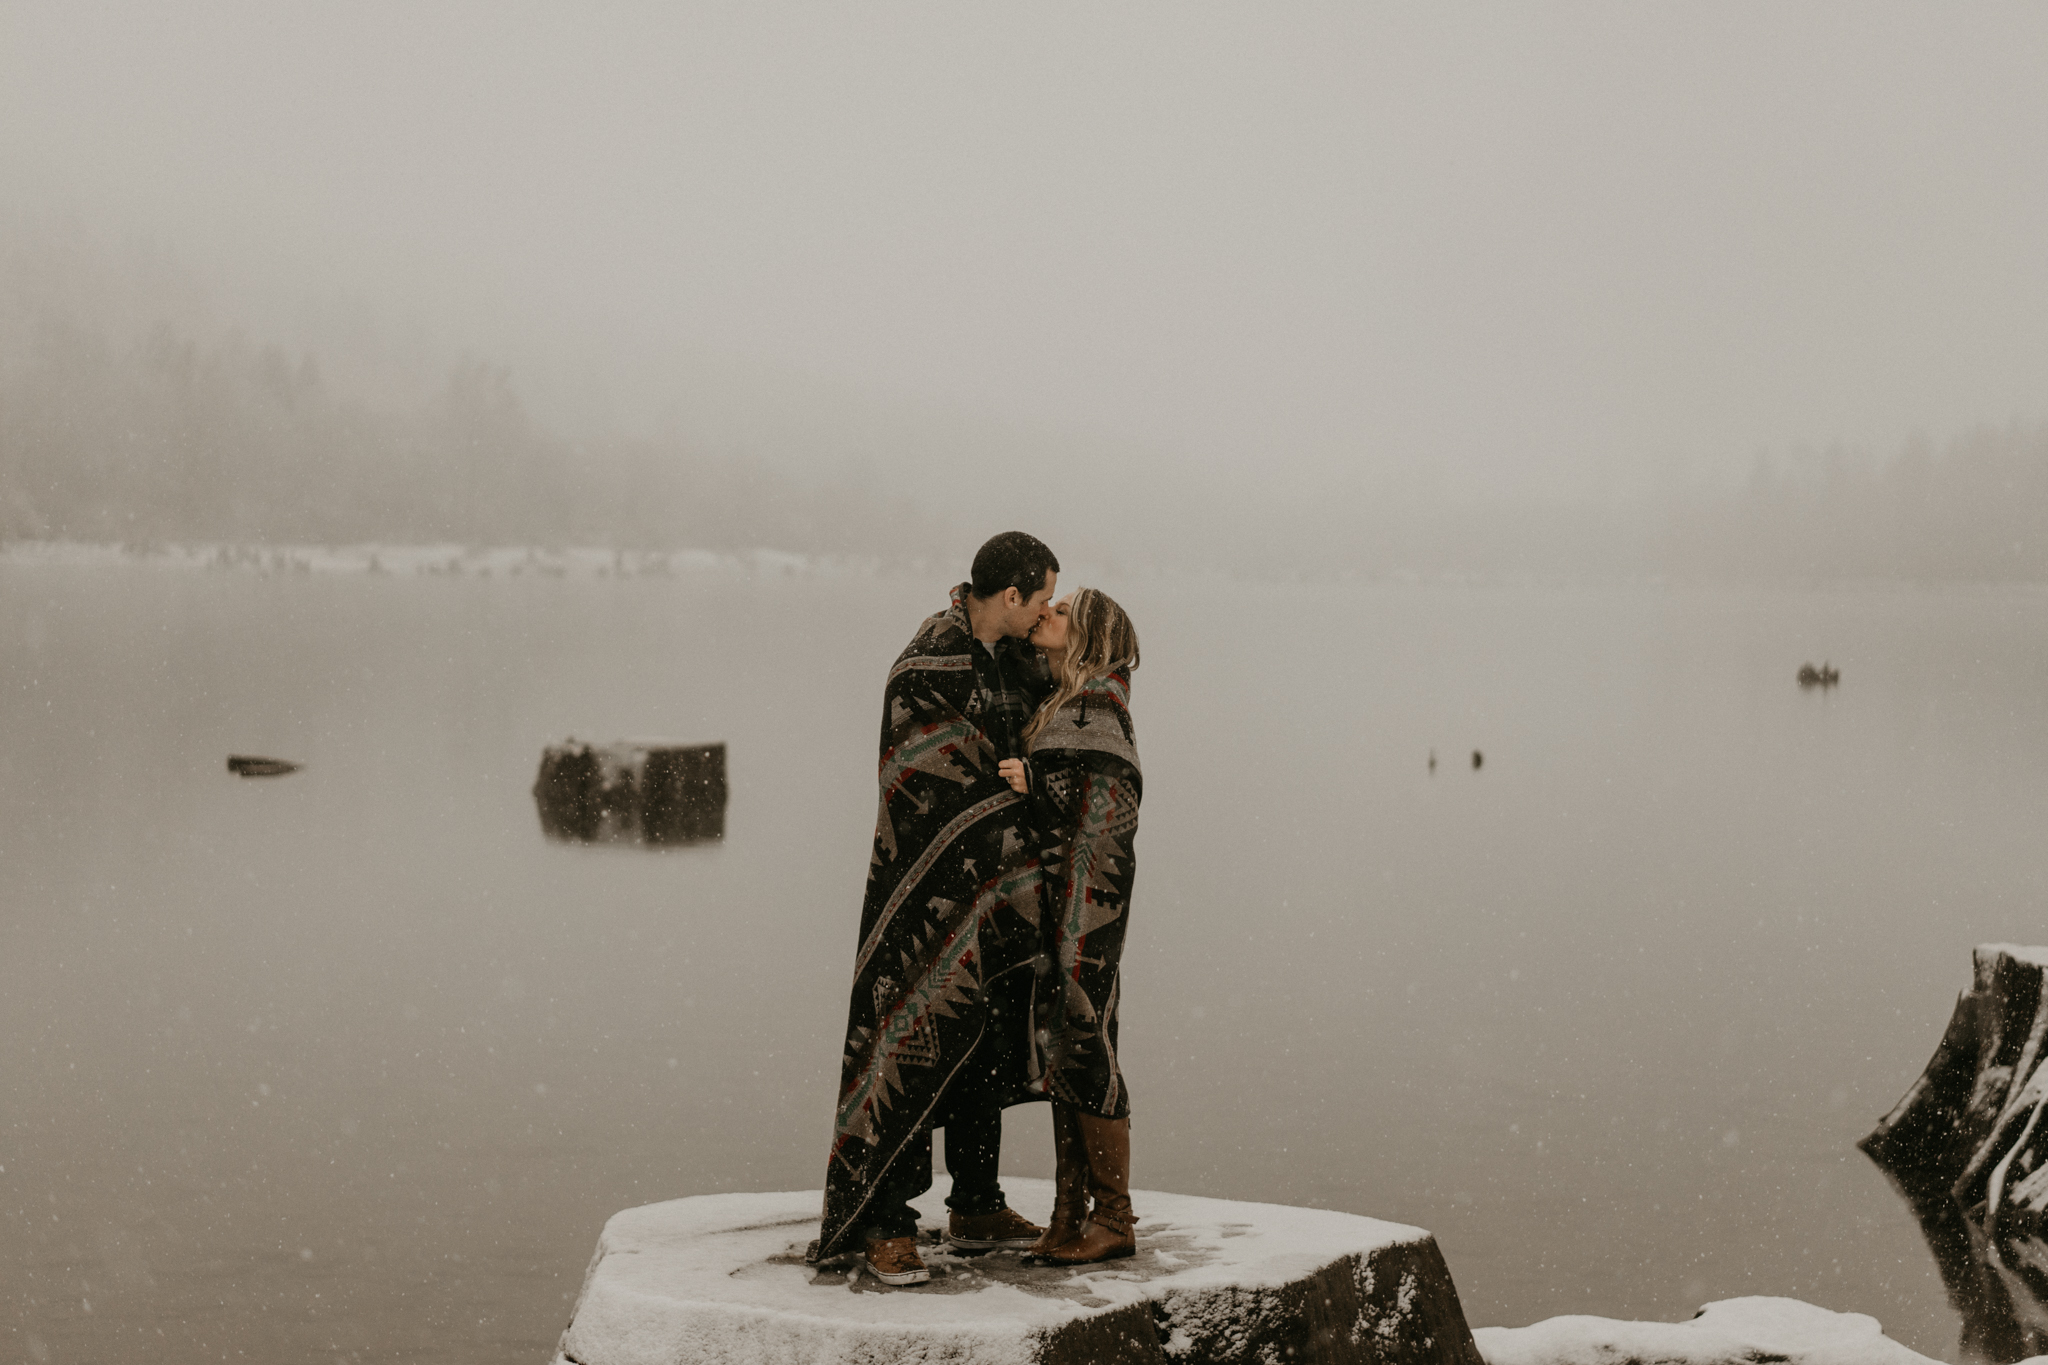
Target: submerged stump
249 765
632 791
1968 1149
721 1278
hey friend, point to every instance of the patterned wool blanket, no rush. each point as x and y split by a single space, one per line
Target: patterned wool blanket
1085 788
949 927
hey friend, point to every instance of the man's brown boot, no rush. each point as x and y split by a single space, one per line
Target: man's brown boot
1004 1230
1069 1182
894 1260
1112 1227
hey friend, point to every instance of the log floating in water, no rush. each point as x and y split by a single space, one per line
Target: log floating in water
632 791
247 765
1827 675
1968 1149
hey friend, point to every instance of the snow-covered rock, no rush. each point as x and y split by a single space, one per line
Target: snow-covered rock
722 1278
1731 1332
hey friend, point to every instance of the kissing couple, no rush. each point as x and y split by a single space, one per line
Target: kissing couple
990 937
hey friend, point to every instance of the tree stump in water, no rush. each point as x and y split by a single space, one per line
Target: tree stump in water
632 791
1968 1149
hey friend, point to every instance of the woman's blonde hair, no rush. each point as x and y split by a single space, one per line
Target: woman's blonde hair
1100 641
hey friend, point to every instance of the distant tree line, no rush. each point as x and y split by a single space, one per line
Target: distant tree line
168 438
166 433
1973 510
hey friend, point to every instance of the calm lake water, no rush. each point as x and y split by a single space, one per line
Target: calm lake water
352 1065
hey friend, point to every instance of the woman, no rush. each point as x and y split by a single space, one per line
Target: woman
1083 780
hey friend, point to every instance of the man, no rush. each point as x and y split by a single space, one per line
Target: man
938 1028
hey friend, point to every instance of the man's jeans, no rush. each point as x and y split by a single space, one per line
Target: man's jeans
973 1121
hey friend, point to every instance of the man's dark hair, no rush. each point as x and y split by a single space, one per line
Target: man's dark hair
1012 560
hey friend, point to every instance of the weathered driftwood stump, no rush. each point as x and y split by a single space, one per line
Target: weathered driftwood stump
645 791
721 1280
1968 1149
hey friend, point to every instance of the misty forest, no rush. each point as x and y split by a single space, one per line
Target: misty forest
160 429
170 432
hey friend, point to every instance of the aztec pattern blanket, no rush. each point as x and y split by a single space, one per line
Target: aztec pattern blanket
950 923
1085 787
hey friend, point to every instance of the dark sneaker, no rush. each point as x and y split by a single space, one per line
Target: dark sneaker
1003 1230
894 1260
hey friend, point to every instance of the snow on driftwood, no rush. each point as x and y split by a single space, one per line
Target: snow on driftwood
1732 1332
1969 1151
722 1278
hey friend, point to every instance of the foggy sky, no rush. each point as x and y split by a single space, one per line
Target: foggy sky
1401 251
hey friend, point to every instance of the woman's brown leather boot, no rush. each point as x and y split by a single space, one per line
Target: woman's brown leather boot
1069 1182
1112 1228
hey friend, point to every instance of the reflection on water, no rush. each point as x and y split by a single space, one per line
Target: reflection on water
651 792
1967 1149
354 1063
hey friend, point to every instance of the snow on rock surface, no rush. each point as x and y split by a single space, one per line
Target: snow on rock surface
1731 1332
722 1278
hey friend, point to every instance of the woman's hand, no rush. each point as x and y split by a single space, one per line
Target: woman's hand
1012 770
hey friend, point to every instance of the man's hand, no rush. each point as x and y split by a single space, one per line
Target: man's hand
1012 770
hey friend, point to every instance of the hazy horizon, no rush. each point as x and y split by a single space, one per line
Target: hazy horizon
1198 268
134 408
